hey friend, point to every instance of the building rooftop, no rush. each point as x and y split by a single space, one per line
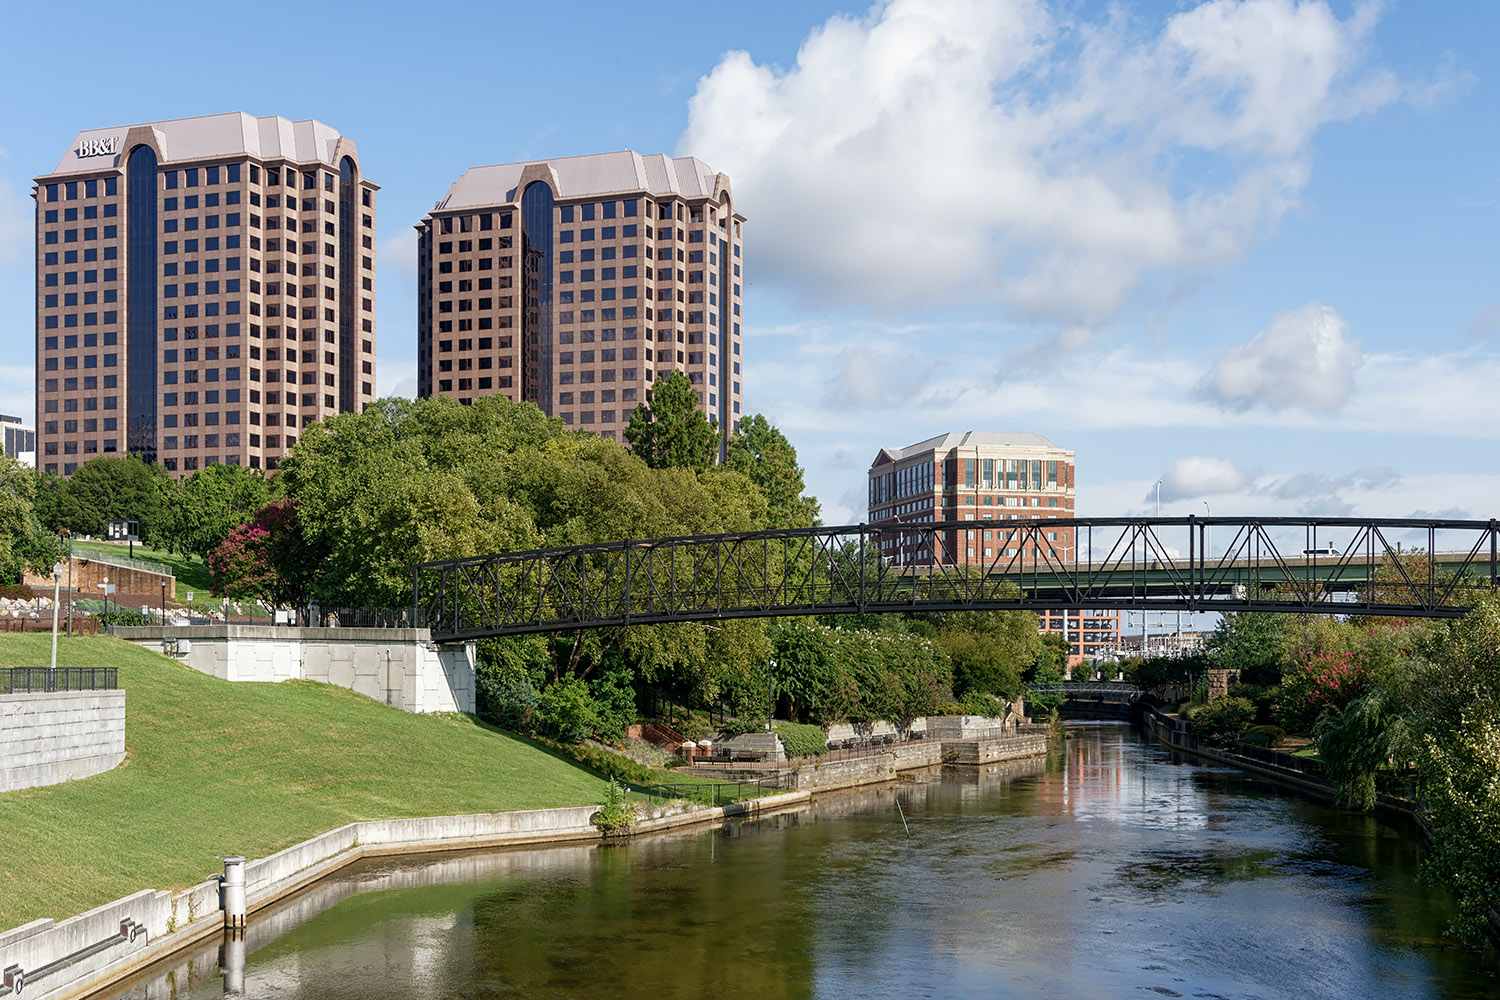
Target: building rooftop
966 439
585 176
209 136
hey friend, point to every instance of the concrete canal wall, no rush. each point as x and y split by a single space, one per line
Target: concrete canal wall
56 736
400 667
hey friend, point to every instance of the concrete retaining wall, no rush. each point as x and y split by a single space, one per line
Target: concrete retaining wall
58 736
401 667
844 773
987 751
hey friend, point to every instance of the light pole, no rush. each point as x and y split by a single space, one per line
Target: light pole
1208 542
56 581
770 695
69 535
1158 497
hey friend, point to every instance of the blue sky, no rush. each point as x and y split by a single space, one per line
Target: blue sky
1247 247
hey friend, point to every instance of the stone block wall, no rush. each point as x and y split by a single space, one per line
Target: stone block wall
58 736
399 667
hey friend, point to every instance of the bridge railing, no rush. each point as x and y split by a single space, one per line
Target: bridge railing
1306 565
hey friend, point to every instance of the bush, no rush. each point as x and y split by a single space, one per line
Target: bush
1249 739
801 740
124 618
1274 735
566 712
509 704
615 815
1318 682
1222 720
17 592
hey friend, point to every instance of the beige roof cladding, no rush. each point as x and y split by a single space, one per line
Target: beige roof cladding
585 176
210 136
970 439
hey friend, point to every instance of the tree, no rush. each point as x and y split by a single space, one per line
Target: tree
211 503
111 488
763 454
24 542
267 559
989 650
1252 642
672 431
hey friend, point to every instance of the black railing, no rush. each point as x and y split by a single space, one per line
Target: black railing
718 793
40 680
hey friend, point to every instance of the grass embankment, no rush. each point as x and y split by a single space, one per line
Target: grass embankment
191 573
215 768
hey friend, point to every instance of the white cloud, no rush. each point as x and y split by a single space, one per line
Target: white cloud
865 379
1304 359
1197 476
988 152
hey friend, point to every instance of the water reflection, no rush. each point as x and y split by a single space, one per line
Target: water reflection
1109 870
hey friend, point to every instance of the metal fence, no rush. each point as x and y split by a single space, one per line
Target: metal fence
39 680
718 793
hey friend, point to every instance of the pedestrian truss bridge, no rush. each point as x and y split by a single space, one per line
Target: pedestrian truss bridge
1405 567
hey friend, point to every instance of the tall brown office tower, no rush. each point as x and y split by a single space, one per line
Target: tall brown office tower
576 283
205 289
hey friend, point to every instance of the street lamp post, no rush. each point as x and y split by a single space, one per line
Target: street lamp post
770 693
1208 542
56 581
1158 497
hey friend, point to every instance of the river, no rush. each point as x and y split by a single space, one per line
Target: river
1112 869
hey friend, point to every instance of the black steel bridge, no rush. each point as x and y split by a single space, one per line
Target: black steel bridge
1369 566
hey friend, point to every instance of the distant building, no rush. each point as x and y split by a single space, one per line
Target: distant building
988 477
20 440
578 282
998 489
205 290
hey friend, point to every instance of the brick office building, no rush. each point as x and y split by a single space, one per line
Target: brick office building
987 482
205 289
576 282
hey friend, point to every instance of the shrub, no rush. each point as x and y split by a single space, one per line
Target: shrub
510 704
124 618
566 712
615 815
1274 735
1222 720
17 592
801 740
1251 739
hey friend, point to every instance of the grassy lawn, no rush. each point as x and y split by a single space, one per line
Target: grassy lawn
192 575
215 768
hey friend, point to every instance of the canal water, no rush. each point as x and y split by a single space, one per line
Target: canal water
1111 869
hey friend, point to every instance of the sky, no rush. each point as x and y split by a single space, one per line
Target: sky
1246 248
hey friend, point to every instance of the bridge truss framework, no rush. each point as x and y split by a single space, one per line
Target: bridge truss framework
1380 566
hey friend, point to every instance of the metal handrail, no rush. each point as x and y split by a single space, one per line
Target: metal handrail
43 680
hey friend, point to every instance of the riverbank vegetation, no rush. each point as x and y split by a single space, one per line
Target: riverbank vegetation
1406 707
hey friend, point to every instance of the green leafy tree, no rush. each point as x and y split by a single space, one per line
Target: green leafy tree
116 488
762 453
1254 643
208 505
989 650
24 542
672 431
